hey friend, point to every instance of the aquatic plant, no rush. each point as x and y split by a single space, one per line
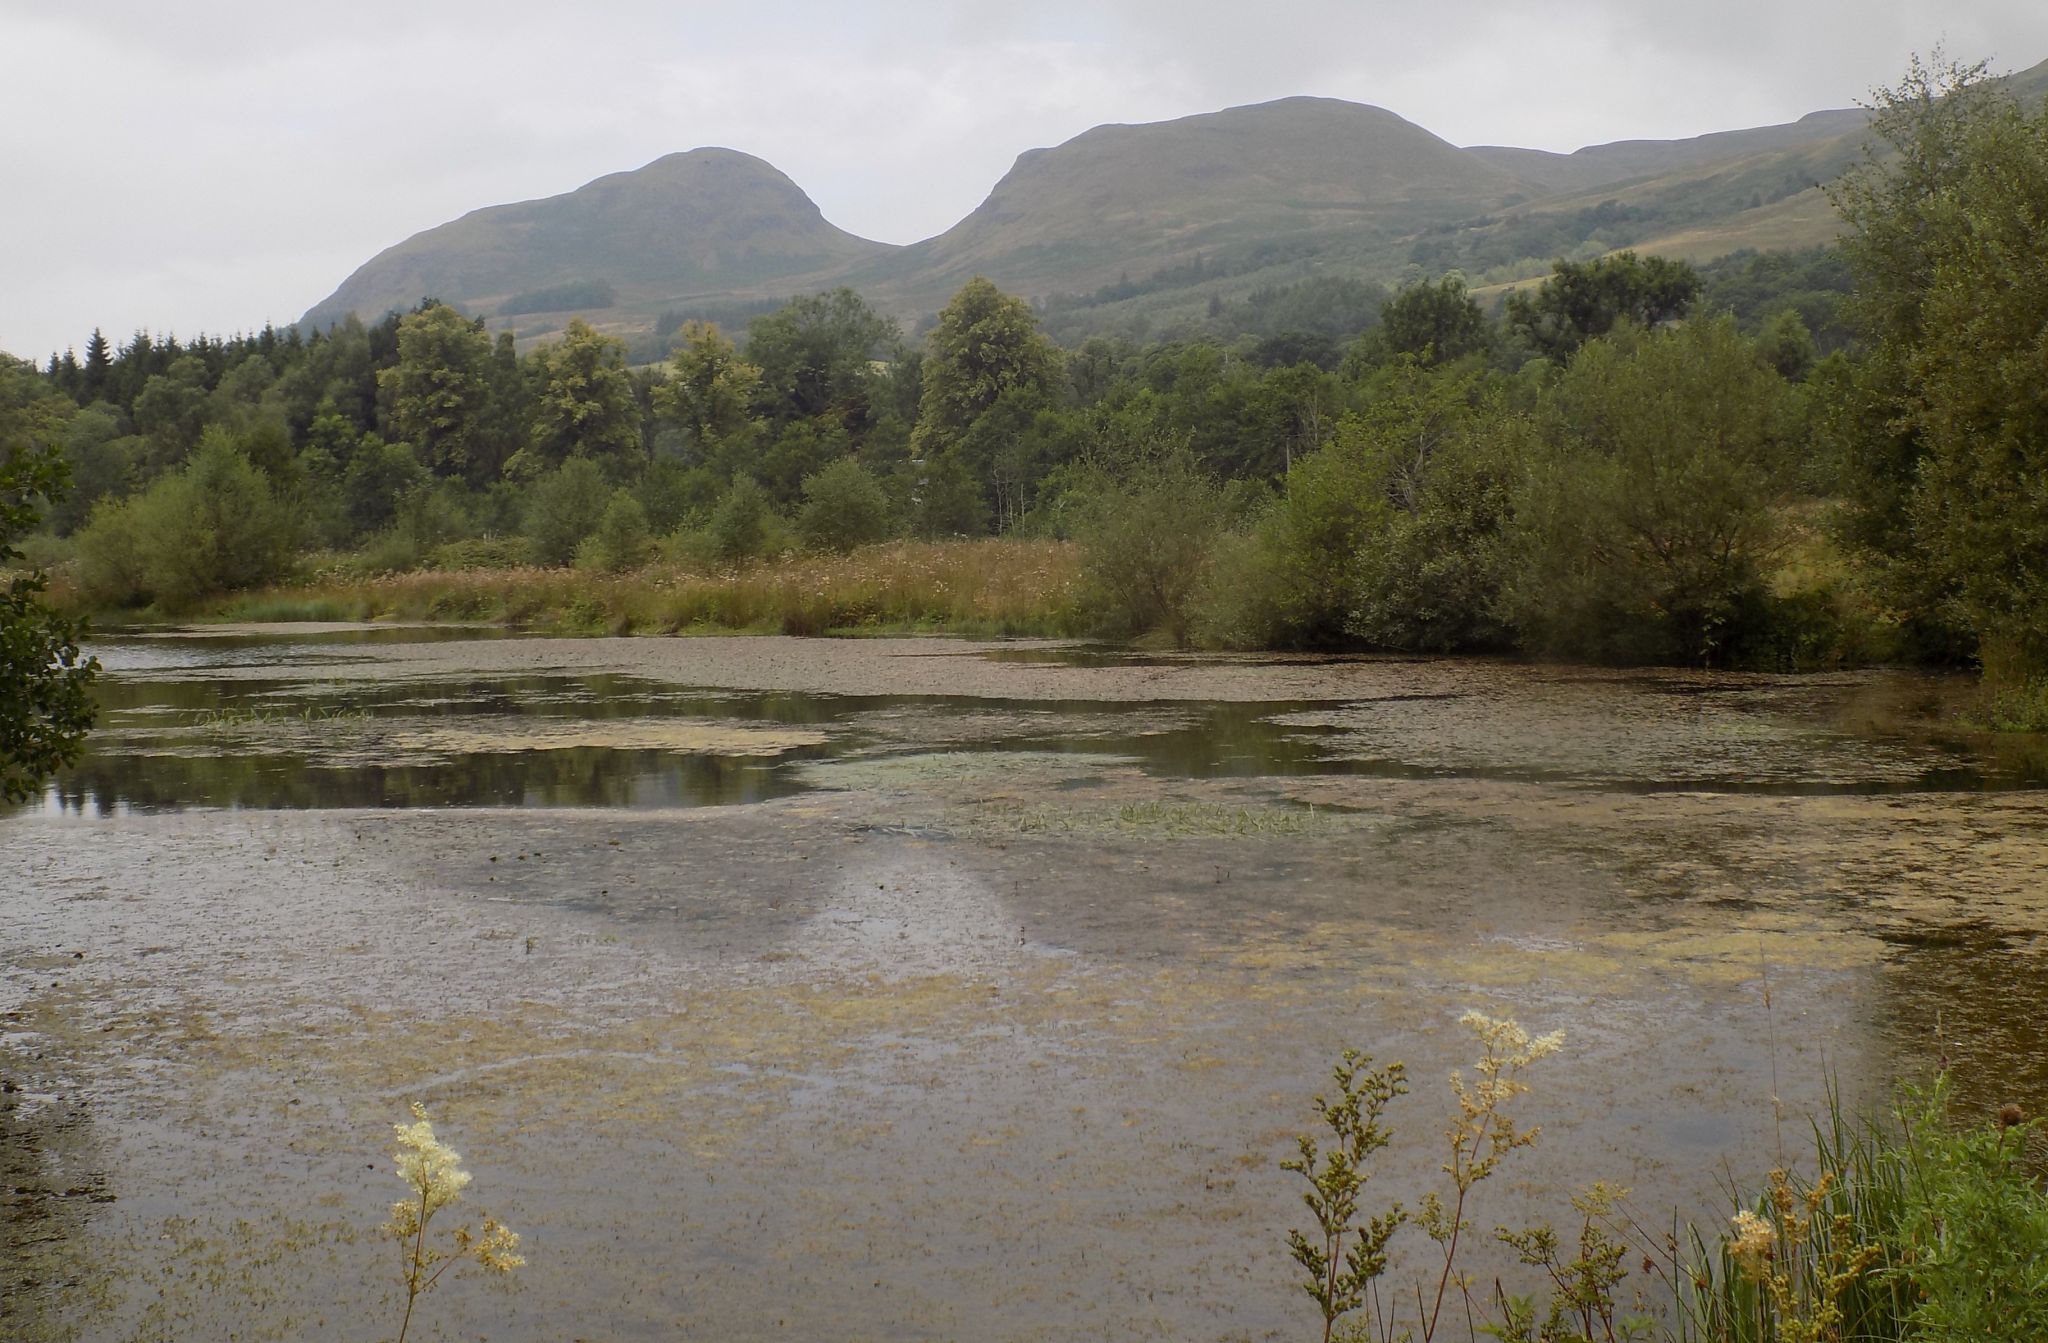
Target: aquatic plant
1913 1227
1480 1136
253 715
1346 1255
434 1178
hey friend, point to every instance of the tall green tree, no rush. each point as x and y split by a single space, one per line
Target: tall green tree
439 388
1584 300
987 343
45 700
1434 323
814 356
584 405
708 397
1949 454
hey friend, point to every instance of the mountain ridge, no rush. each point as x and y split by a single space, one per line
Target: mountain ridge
1256 194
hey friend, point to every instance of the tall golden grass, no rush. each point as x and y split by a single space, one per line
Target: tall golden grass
997 586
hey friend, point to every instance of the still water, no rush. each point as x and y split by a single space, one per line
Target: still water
920 989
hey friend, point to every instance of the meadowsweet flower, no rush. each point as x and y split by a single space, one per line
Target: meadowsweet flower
433 1173
1751 1244
427 1164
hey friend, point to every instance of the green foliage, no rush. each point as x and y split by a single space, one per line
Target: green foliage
945 501
1292 584
844 507
1643 522
564 507
103 463
1147 540
584 406
1785 343
1391 534
45 701
1952 294
708 396
216 526
986 343
672 493
1440 456
1915 1227
1972 1243
1435 323
1815 283
439 388
171 410
1344 1257
743 525
564 297
813 357
622 539
379 475
1584 300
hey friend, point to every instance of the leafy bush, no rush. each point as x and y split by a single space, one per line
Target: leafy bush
213 527
1146 546
622 538
743 525
1645 516
564 507
844 508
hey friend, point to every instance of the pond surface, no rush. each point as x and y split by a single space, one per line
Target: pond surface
929 989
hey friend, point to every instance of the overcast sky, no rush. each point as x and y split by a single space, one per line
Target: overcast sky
210 166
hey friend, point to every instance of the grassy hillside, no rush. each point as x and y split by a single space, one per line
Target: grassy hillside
1299 175
711 221
1129 229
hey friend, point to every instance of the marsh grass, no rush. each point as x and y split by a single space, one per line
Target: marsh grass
231 717
986 587
1907 1226
1913 1226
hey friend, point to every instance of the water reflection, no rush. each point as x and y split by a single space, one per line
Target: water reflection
173 734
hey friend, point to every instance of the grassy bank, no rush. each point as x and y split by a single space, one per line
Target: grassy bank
966 587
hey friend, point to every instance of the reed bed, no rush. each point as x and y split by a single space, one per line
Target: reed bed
998 586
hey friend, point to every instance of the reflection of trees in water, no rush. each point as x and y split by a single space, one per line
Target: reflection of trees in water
577 776
601 697
49 1182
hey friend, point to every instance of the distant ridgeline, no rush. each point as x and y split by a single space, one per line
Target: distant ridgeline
1126 230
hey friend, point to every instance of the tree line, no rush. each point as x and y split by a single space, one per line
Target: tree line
1786 462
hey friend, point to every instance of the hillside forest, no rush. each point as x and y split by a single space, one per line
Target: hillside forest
1784 460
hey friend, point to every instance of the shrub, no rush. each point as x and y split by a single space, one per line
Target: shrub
844 507
1146 546
213 527
622 538
742 525
1644 520
565 506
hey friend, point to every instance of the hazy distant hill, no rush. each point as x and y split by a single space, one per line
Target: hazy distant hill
710 220
1596 165
1128 224
1297 174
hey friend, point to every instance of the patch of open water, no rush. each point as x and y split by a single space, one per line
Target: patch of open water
994 1022
176 733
